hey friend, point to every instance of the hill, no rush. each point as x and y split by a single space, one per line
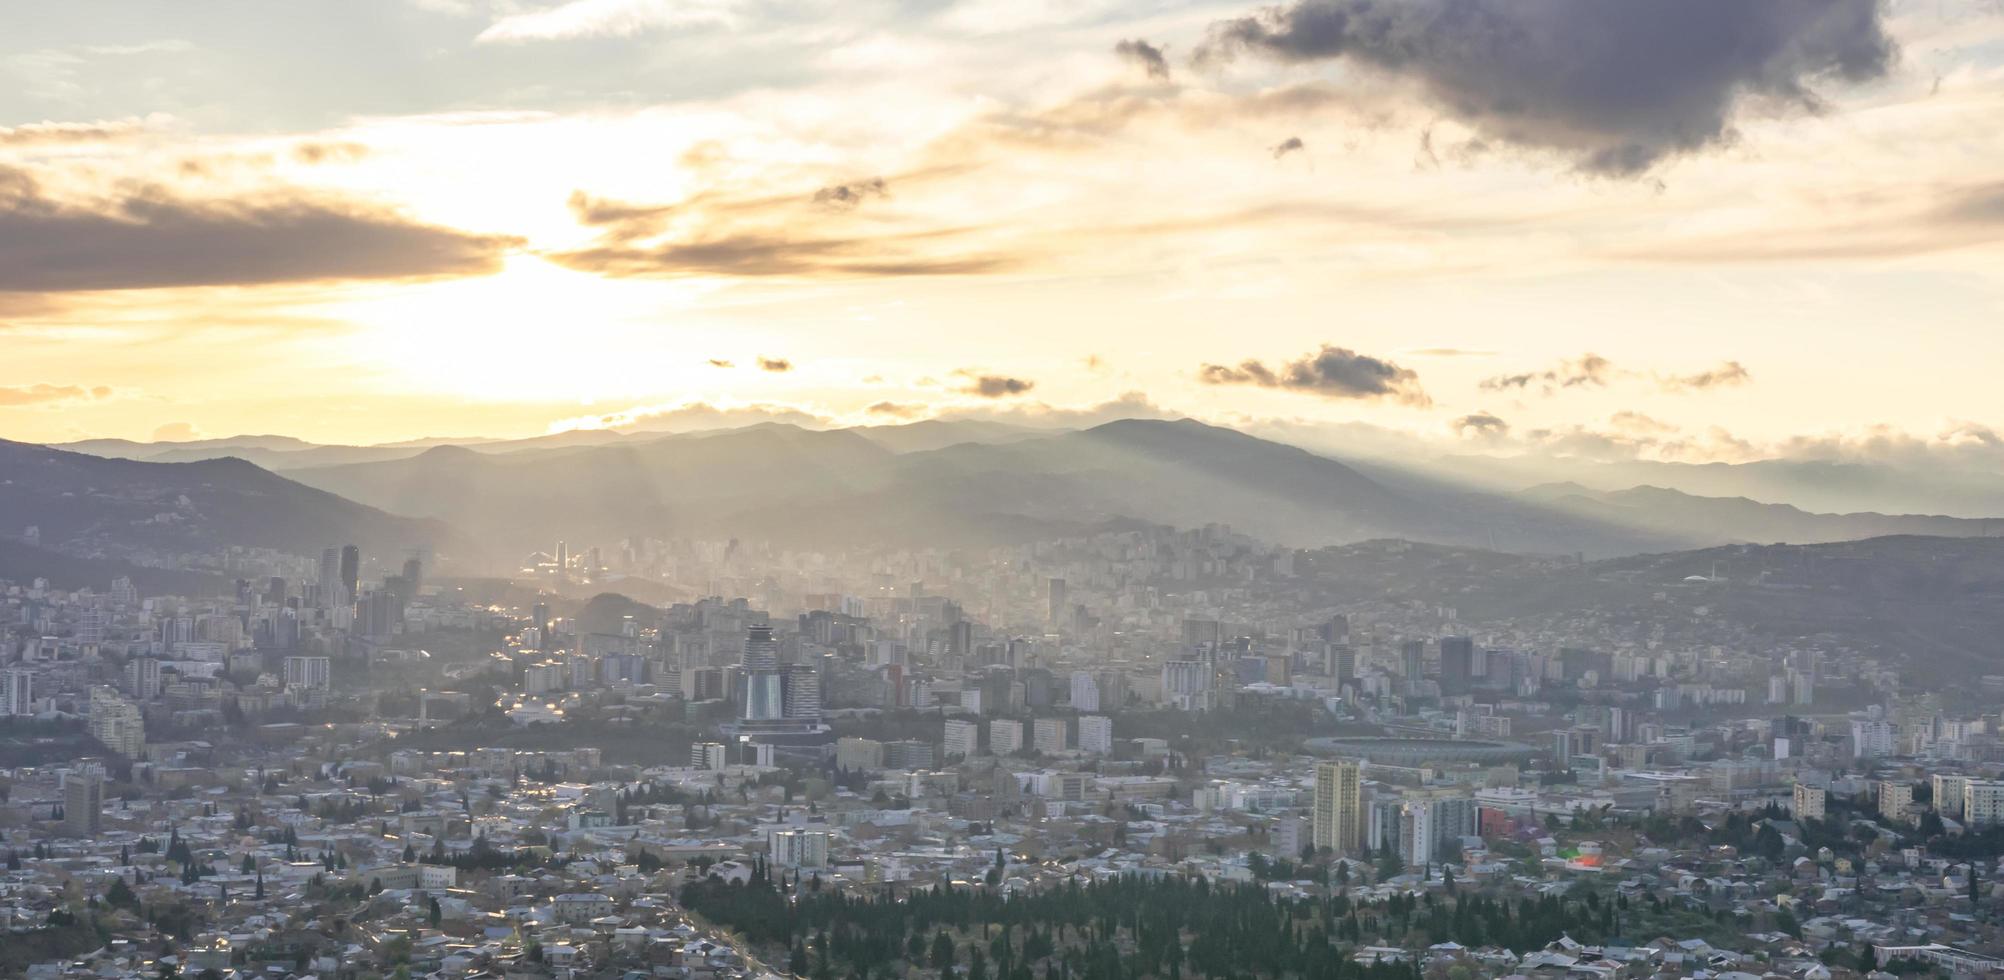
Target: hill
1738 519
94 507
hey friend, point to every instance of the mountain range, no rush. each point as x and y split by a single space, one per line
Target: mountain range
934 483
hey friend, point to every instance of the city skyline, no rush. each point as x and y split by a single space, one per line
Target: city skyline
673 211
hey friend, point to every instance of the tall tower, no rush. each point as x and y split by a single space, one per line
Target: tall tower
83 801
351 569
1457 664
765 690
1339 806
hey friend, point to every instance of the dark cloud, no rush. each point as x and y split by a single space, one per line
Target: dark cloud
1725 375
847 197
718 362
994 385
1332 372
1481 424
895 410
1588 371
1287 146
47 394
1614 86
1148 57
148 236
777 365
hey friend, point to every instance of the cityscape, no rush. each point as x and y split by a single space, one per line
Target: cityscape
715 490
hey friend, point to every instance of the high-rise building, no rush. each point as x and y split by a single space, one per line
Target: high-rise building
116 723
1457 665
142 677
330 578
1005 737
1339 806
707 755
1894 798
1059 601
83 801
963 738
1085 691
1809 802
1871 739
1948 795
351 568
1096 735
1049 735
803 693
309 673
17 691
799 848
413 574
909 753
1412 660
1983 803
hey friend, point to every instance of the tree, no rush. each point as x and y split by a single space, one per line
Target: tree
120 895
437 912
796 962
942 953
1784 921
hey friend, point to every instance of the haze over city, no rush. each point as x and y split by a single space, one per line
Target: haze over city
983 490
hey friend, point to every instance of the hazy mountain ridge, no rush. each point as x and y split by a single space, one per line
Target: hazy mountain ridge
1742 519
964 484
94 507
842 487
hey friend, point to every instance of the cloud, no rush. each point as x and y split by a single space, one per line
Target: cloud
59 133
148 236
329 151
696 416
1450 352
717 362
1287 146
1725 375
582 19
1146 56
777 365
755 236
48 394
1332 372
1638 422
895 410
847 197
1480 425
177 432
1616 87
994 385
1042 415
1588 371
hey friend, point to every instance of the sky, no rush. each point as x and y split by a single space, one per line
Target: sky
1679 229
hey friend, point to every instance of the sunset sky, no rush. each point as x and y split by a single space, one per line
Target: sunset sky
1692 229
